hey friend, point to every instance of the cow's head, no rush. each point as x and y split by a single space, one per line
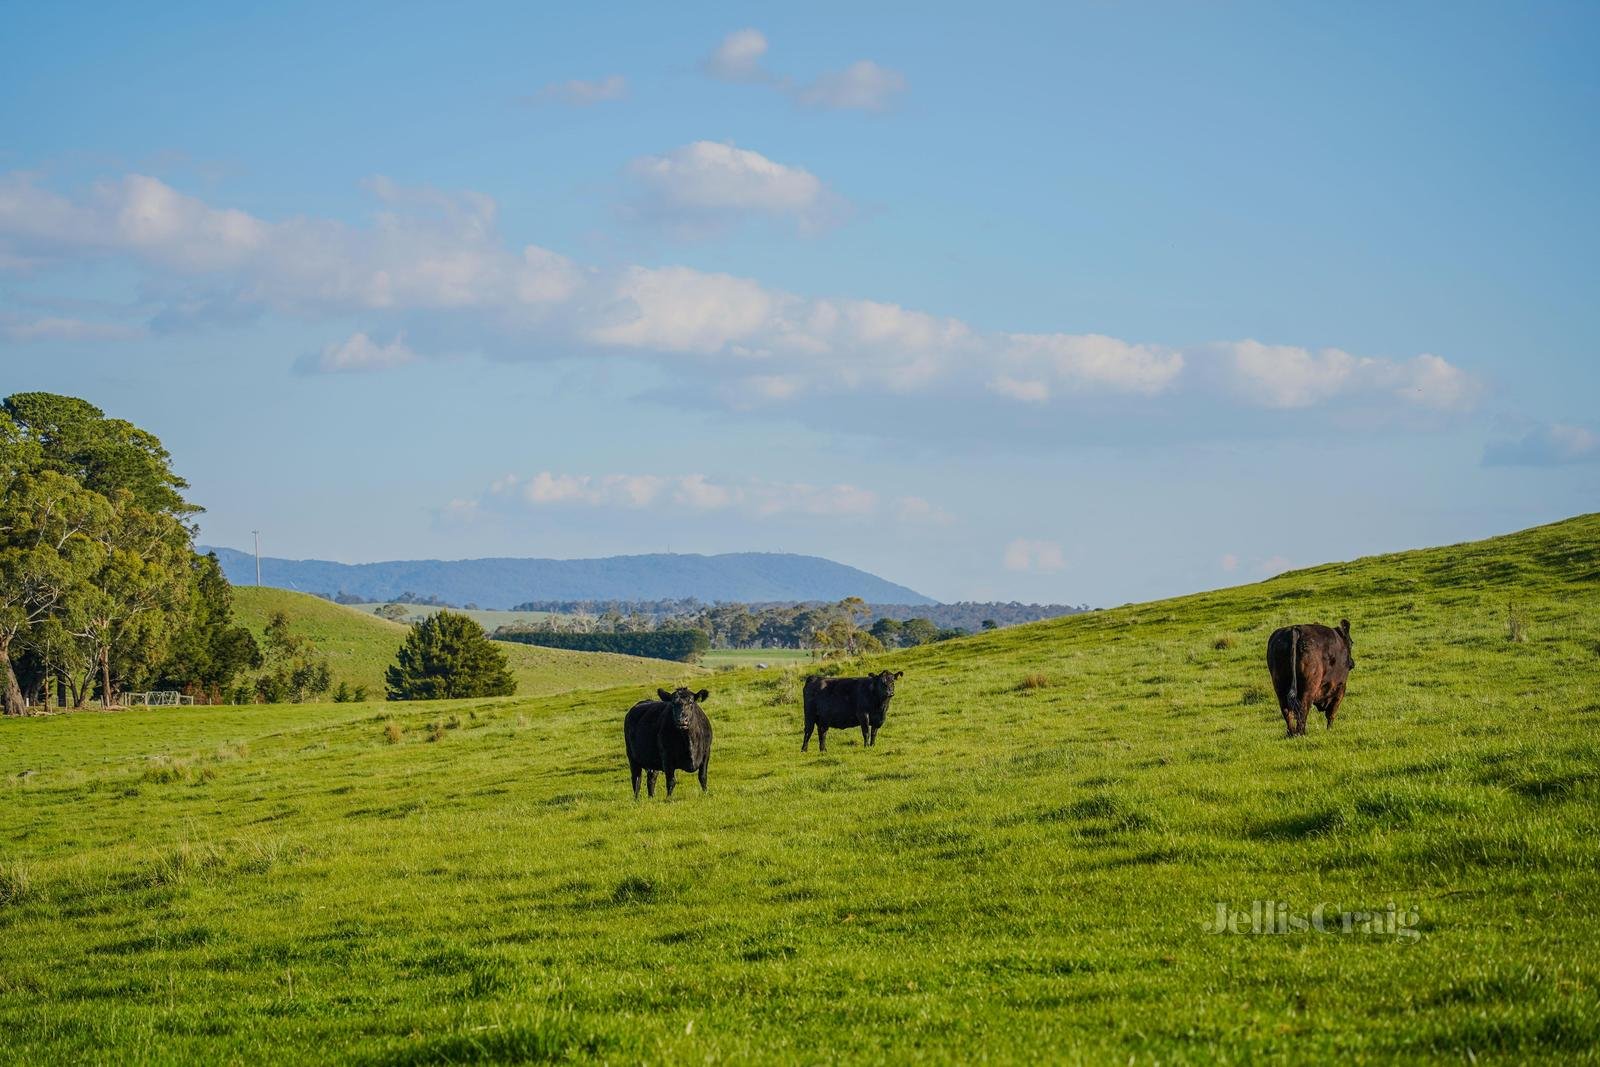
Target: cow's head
682 701
1349 646
883 683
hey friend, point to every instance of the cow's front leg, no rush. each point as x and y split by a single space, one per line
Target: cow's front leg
705 766
866 731
650 782
672 780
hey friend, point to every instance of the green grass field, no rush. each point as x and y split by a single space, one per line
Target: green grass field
360 647
1026 868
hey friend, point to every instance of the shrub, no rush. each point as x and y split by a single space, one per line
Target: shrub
341 695
358 695
449 655
392 732
1253 694
1224 642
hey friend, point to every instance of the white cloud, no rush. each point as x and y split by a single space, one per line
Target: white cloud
1030 390
1284 376
862 86
1553 445
434 263
580 93
1023 554
702 187
738 57
1090 361
358 352
756 498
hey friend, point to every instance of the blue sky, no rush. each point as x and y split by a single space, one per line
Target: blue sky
1066 302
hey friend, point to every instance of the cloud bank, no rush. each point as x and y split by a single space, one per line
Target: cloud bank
434 264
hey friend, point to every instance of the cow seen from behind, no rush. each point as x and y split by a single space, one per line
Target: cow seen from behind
668 735
1310 664
847 702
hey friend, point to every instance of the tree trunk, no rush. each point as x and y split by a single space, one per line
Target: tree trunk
13 691
105 678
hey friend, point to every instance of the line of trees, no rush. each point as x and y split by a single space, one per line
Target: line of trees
781 623
829 629
101 590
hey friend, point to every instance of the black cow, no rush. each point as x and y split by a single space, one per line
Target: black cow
671 734
847 702
1310 665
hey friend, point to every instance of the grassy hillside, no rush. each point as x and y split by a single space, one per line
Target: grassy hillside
360 647
1026 868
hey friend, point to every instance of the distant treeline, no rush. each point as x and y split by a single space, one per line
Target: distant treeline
682 645
850 625
969 616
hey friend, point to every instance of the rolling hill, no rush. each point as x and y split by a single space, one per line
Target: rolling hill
360 647
1028 867
504 583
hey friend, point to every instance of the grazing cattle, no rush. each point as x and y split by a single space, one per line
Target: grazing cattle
671 734
1310 664
847 702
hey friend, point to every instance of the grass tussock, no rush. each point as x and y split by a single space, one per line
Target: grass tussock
436 731
1034 680
1516 622
1224 642
16 883
1254 694
393 732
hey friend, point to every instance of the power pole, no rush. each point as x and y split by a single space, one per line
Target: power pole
258 556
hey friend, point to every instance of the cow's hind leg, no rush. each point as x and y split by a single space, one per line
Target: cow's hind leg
650 781
1333 705
822 737
635 769
811 724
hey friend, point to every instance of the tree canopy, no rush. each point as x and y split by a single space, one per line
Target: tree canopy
449 655
99 581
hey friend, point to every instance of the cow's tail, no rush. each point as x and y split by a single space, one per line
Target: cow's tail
1294 669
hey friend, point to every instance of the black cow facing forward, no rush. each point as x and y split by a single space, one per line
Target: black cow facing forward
847 702
1310 665
671 734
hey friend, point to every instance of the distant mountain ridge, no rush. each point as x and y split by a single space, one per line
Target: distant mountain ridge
503 582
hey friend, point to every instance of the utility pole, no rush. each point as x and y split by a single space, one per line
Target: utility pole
258 556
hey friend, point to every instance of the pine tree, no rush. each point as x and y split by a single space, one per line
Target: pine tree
449 655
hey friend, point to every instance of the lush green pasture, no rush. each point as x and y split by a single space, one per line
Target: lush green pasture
360 647
1026 868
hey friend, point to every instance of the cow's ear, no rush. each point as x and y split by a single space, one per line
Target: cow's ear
1344 624
664 695
899 674
702 695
